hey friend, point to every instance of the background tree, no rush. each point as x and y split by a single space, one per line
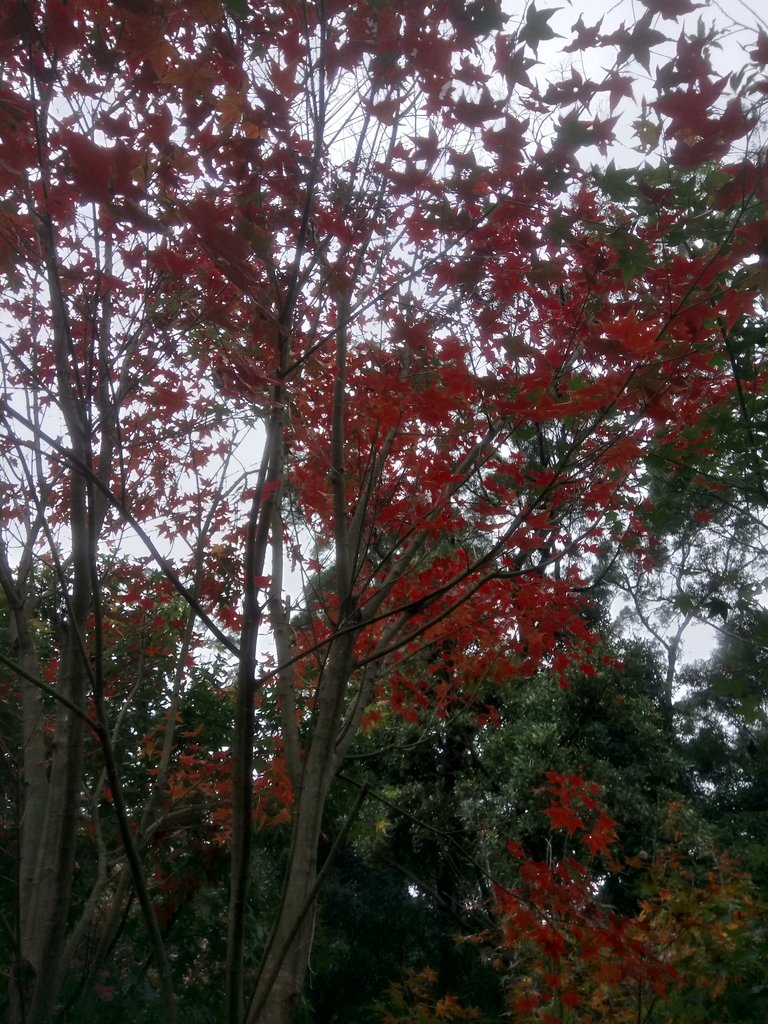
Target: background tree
723 727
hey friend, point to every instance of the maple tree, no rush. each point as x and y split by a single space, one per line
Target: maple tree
319 288
680 955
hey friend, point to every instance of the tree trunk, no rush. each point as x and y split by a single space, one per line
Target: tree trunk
44 917
286 959
33 790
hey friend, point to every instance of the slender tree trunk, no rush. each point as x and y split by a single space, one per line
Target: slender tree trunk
446 883
44 919
284 968
48 852
286 959
33 788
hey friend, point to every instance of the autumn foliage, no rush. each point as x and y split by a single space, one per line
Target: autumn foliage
578 960
320 325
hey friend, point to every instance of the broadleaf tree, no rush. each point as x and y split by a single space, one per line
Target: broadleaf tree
324 292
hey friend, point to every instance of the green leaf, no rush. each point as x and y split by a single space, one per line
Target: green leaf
484 16
639 42
648 133
632 257
239 7
536 28
685 603
618 184
717 607
573 133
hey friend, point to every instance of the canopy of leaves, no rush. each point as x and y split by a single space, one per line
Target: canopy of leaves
336 389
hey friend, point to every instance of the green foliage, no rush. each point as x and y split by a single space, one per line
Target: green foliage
724 729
